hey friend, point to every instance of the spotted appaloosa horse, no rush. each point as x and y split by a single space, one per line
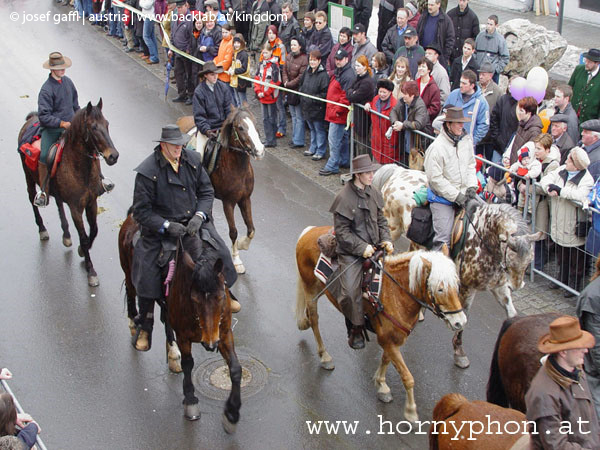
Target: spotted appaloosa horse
428 276
497 248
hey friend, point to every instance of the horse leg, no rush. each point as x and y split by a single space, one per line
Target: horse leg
191 410
228 209
503 296
384 393
173 353
231 415
326 360
31 191
410 407
64 223
245 206
132 311
83 250
91 213
460 357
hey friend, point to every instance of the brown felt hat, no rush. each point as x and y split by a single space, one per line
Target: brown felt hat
210 67
56 61
565 334
363 163
455 114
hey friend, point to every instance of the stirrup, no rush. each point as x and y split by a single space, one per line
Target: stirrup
41 199
107 185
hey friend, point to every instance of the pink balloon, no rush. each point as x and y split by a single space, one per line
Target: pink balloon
517 88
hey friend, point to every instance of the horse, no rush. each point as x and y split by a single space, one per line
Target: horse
497 247
78 180
460 424
516 359
414 279
233 176
198 309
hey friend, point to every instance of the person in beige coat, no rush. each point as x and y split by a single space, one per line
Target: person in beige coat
570 182
560 410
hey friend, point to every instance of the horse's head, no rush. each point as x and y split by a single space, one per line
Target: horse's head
207 296
435 275
240 129
519 253
90 123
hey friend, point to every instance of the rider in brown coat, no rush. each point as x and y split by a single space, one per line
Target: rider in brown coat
359 226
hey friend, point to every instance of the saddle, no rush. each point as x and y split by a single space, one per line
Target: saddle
32 153
458 236
210 156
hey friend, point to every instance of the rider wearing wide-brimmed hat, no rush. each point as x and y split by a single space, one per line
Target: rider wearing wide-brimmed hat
559 401
173 196
57 103
211 103
360 227
450 169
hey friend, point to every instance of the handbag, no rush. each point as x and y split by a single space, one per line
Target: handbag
582 226
293 99
420 230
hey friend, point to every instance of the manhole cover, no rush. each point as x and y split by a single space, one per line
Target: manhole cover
211 378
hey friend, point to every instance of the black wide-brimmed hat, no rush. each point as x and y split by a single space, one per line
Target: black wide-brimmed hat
57 61
210 67
171 134
593 55
363 163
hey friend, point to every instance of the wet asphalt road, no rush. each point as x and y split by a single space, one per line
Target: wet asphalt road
68 345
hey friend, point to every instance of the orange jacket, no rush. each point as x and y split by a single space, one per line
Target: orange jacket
225 57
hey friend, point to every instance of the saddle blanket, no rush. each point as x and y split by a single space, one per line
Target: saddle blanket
32 155
326 266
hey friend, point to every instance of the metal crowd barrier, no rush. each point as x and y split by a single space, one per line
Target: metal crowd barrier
39 443
577 263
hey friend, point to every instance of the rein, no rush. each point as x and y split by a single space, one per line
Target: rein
242 149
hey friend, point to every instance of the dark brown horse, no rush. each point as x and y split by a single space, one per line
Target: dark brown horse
516 359
233 176
198 309
78 180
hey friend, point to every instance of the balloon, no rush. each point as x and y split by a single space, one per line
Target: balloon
536 91
538 76
545 116
517 88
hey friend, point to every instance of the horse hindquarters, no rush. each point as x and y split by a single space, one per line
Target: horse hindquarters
495 392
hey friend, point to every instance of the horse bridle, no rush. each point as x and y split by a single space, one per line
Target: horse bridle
243 149
90 138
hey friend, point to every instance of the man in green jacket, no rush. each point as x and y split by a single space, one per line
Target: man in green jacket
585 82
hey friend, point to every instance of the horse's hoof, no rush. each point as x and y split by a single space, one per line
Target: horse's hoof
131 327
385 397
328 365
80 251
303 324
67 242
191 412
239 268
421 316
44 236
175 365
461 361
228 426
93 281
411 417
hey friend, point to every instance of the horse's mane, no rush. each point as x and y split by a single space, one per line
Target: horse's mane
443 269
78 122
204 257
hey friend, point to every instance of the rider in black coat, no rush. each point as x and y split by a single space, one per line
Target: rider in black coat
173 196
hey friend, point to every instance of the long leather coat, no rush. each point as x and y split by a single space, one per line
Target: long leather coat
161 194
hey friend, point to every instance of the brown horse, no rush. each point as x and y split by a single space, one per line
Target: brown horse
516 359
233 176
429 277
459 424
78 180
198 309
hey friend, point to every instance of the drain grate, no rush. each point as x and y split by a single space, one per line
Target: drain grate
211 377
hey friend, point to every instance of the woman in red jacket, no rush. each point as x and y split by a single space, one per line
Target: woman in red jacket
428 89
268 72
385 150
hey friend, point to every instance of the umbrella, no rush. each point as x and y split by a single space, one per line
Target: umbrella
169 67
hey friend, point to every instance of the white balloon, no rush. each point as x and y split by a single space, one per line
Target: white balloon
538 77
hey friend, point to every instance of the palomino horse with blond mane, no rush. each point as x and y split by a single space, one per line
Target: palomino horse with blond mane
410 281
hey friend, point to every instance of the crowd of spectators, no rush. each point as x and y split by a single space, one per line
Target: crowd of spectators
423 61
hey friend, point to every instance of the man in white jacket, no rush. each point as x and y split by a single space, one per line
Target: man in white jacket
450 169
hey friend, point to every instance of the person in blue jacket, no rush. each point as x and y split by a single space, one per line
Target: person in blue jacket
469 97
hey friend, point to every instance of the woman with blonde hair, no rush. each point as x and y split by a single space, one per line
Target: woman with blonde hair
362 92
400 74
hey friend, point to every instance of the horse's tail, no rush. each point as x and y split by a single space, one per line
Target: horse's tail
448 405
30 115
495 389
301 295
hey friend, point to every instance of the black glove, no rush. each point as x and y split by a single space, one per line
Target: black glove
194 225
471 193
175 229
212 133
460 200
555 188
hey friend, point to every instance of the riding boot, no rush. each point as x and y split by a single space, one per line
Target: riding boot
144 321
356 339
41 198
235 305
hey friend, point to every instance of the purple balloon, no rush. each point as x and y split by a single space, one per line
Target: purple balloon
517 88
536 92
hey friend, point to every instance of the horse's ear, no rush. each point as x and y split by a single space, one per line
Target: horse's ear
218 268
88 108
444 250
99 105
